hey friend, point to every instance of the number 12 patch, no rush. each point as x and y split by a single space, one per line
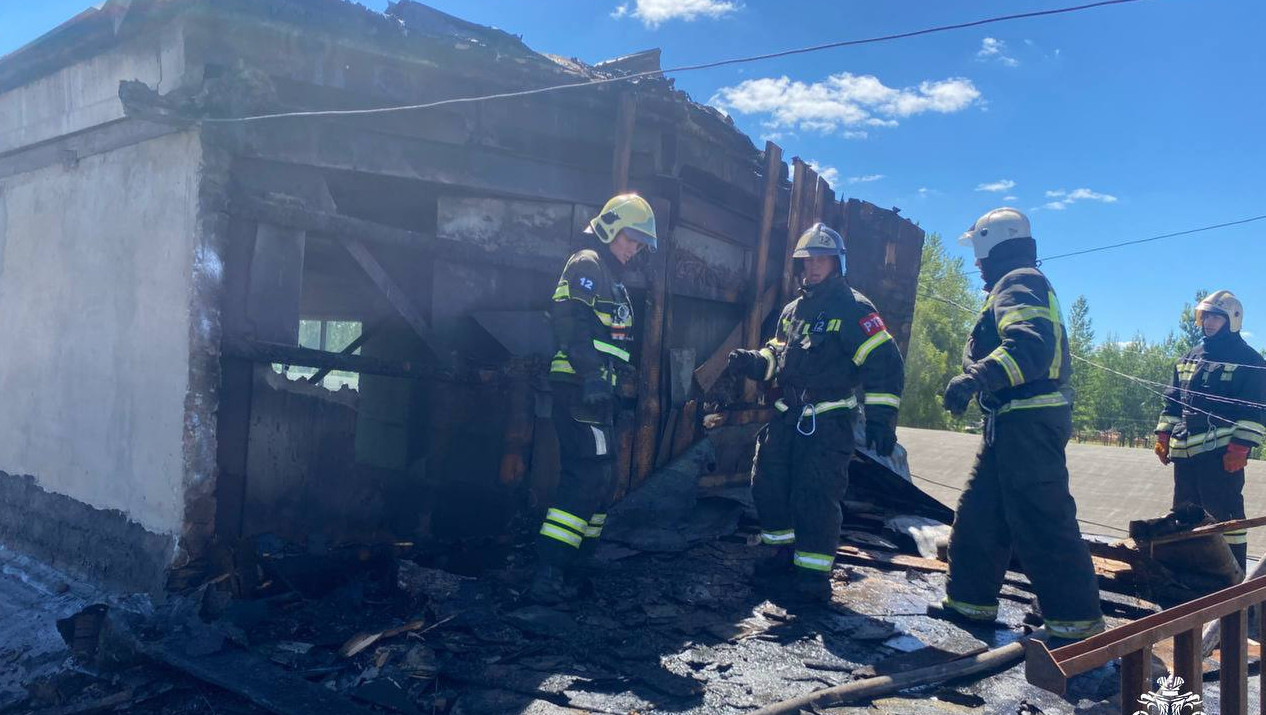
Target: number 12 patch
872 324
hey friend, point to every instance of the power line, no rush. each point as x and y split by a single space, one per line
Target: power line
1137 241
683 68
1155 238
960 490
1142 381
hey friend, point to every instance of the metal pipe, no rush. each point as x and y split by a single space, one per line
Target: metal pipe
998 658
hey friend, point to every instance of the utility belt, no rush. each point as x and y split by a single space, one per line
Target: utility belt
992 408
616 358
807 411
1190 445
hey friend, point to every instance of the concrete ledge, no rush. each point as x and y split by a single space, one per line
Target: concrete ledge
98 545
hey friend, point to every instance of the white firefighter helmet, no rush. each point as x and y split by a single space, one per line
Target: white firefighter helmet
995 227
626 212
820 240
1224 303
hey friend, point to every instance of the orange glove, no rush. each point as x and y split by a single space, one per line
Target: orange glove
1236 457
1162 447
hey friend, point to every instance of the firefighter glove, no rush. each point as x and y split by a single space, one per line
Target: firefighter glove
595 391
958 394
1236 457
749 363
881 436
1162 447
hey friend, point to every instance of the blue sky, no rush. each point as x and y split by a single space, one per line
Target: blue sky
1107 125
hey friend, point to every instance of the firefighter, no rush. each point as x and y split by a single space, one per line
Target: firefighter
1016 364
828 340
1213 416
593 327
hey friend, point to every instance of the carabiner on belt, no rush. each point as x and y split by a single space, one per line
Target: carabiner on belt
989 422
811 411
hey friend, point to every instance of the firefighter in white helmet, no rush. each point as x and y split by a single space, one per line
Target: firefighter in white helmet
829 342
1212 416
592 317
1016 364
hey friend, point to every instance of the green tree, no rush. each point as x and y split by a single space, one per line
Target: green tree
1189 333
944 313
1081 343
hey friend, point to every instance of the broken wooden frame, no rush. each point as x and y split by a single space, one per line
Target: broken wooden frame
1132 643
354 195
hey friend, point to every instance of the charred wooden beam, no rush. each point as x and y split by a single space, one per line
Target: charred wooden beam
710 371
649 399
755 317
266 352
390 289
794 213
332 145
626 119
324 225
366 333
296 215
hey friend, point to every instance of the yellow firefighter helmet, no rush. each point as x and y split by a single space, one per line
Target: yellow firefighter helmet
626 212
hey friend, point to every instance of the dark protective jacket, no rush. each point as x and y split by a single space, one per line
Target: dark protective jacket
1018 349
1218 376
830 340
592 318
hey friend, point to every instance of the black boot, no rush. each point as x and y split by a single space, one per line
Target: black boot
945 613
775 565
550 586
811 587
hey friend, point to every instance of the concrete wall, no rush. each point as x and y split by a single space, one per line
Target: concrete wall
86 94
96 272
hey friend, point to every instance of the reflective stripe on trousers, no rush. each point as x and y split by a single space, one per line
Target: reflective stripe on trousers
565 527
813 562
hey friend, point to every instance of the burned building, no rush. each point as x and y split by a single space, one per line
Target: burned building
331 327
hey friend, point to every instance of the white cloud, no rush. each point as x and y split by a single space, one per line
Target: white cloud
865 179
843 101
653 13
925 192
991 48
1010 198
1064 198
997 187
829 173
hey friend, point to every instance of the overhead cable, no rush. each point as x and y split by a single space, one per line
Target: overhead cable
1147 384
960 490
1135 242
683 68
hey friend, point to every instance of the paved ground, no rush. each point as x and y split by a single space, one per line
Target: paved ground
1112 485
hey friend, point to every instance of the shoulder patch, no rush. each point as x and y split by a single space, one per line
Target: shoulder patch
872 324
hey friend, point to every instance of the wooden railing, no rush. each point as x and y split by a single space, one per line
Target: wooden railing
1132 643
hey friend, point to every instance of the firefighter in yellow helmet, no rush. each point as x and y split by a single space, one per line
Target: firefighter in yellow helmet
593 328
1212 416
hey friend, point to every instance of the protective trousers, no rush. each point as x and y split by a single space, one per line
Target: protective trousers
1018 498
798 481
1201 480
586 481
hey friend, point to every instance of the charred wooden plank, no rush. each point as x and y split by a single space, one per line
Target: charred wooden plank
390 289
266 352
756 316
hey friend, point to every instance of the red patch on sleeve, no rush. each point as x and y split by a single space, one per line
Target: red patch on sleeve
872 324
